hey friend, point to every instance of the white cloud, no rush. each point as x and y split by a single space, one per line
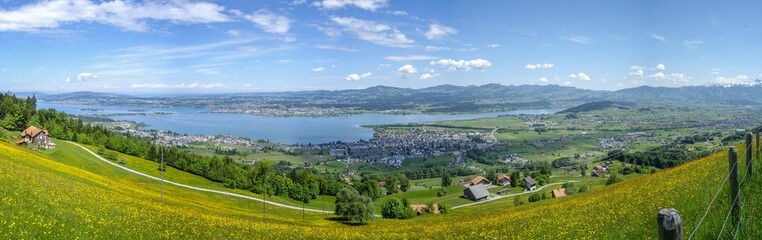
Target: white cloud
657 37
355 76
318 69
578 39
428 76
67 80
233 33
568 83
673 78
636 67
463 65
149 85
437 32
331 47
434 48
399 13
714 73
407 70
693 43
637 73
656 75
660 67
180 86
126 15
543 79
580 76
409 58
371 31
85 76
370 5
732 80
537 66
269 21
494 45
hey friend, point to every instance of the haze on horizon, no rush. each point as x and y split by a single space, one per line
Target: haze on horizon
182 46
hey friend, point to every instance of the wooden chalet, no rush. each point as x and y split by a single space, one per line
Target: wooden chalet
36 137
480 180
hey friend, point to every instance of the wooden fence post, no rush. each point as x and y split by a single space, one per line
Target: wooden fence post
749 153
758 147
733 161
670 224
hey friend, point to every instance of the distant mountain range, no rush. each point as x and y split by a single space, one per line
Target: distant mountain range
437 99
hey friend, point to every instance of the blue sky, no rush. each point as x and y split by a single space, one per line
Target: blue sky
241 46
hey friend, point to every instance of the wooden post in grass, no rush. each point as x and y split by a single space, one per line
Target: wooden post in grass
670 224
162 174
733 166
749 153
758 148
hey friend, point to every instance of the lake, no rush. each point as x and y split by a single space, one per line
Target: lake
288 130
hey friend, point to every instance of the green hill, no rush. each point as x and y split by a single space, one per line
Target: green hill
65 194
600 105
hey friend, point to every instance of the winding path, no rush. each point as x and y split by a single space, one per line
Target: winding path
197 188
510 195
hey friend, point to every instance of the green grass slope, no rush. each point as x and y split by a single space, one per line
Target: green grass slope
66 196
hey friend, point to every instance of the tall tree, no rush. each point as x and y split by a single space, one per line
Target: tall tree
353 207
446 180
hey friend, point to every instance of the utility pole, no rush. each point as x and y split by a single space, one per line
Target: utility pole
162 174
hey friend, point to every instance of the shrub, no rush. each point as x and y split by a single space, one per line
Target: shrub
517 201
444 208
122 160
353 207
101 150
535 197
613 179
582 189
111 156
393 208
441 192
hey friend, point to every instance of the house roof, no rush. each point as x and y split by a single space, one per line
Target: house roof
22 141
501 177
420 207
33 131
530 181
478 179
561 192
478 190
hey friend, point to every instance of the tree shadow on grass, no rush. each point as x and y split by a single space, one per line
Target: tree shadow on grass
345 222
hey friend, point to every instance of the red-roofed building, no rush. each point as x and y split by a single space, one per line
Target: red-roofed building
480 180
503 180
420 209
561 192
36 137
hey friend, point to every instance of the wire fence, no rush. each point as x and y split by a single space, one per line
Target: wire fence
749 149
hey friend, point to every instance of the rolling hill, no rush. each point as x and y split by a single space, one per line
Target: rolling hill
66 194
437 99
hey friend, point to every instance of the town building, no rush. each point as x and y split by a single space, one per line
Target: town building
479 180
529 184
476 192
503 180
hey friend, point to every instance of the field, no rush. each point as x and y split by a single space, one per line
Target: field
67 196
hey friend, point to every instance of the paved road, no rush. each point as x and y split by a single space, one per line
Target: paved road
510 195
197 188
